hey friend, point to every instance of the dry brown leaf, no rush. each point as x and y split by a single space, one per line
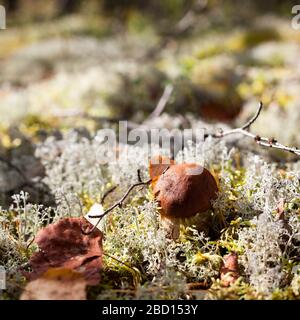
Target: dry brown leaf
229 271
56 284
63 244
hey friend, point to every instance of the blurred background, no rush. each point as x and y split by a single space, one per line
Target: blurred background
84 65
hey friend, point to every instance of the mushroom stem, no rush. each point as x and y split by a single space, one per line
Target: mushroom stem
171 226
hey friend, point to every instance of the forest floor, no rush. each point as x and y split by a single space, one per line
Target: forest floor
64 80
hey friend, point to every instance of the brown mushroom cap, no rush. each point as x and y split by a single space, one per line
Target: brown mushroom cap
158 165
185 190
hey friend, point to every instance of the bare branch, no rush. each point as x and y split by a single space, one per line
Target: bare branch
119 203
139 175
253 119
163 101
262 141
108 192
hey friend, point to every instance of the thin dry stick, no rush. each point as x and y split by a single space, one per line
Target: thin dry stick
108 192
163 101
117 204
139 175
262 141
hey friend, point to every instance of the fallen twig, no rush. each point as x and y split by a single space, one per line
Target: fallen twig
119 204
162 102
108 192
262 141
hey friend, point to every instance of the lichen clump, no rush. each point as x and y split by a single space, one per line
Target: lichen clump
137 253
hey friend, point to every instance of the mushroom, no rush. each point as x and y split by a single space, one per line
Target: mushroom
183 191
